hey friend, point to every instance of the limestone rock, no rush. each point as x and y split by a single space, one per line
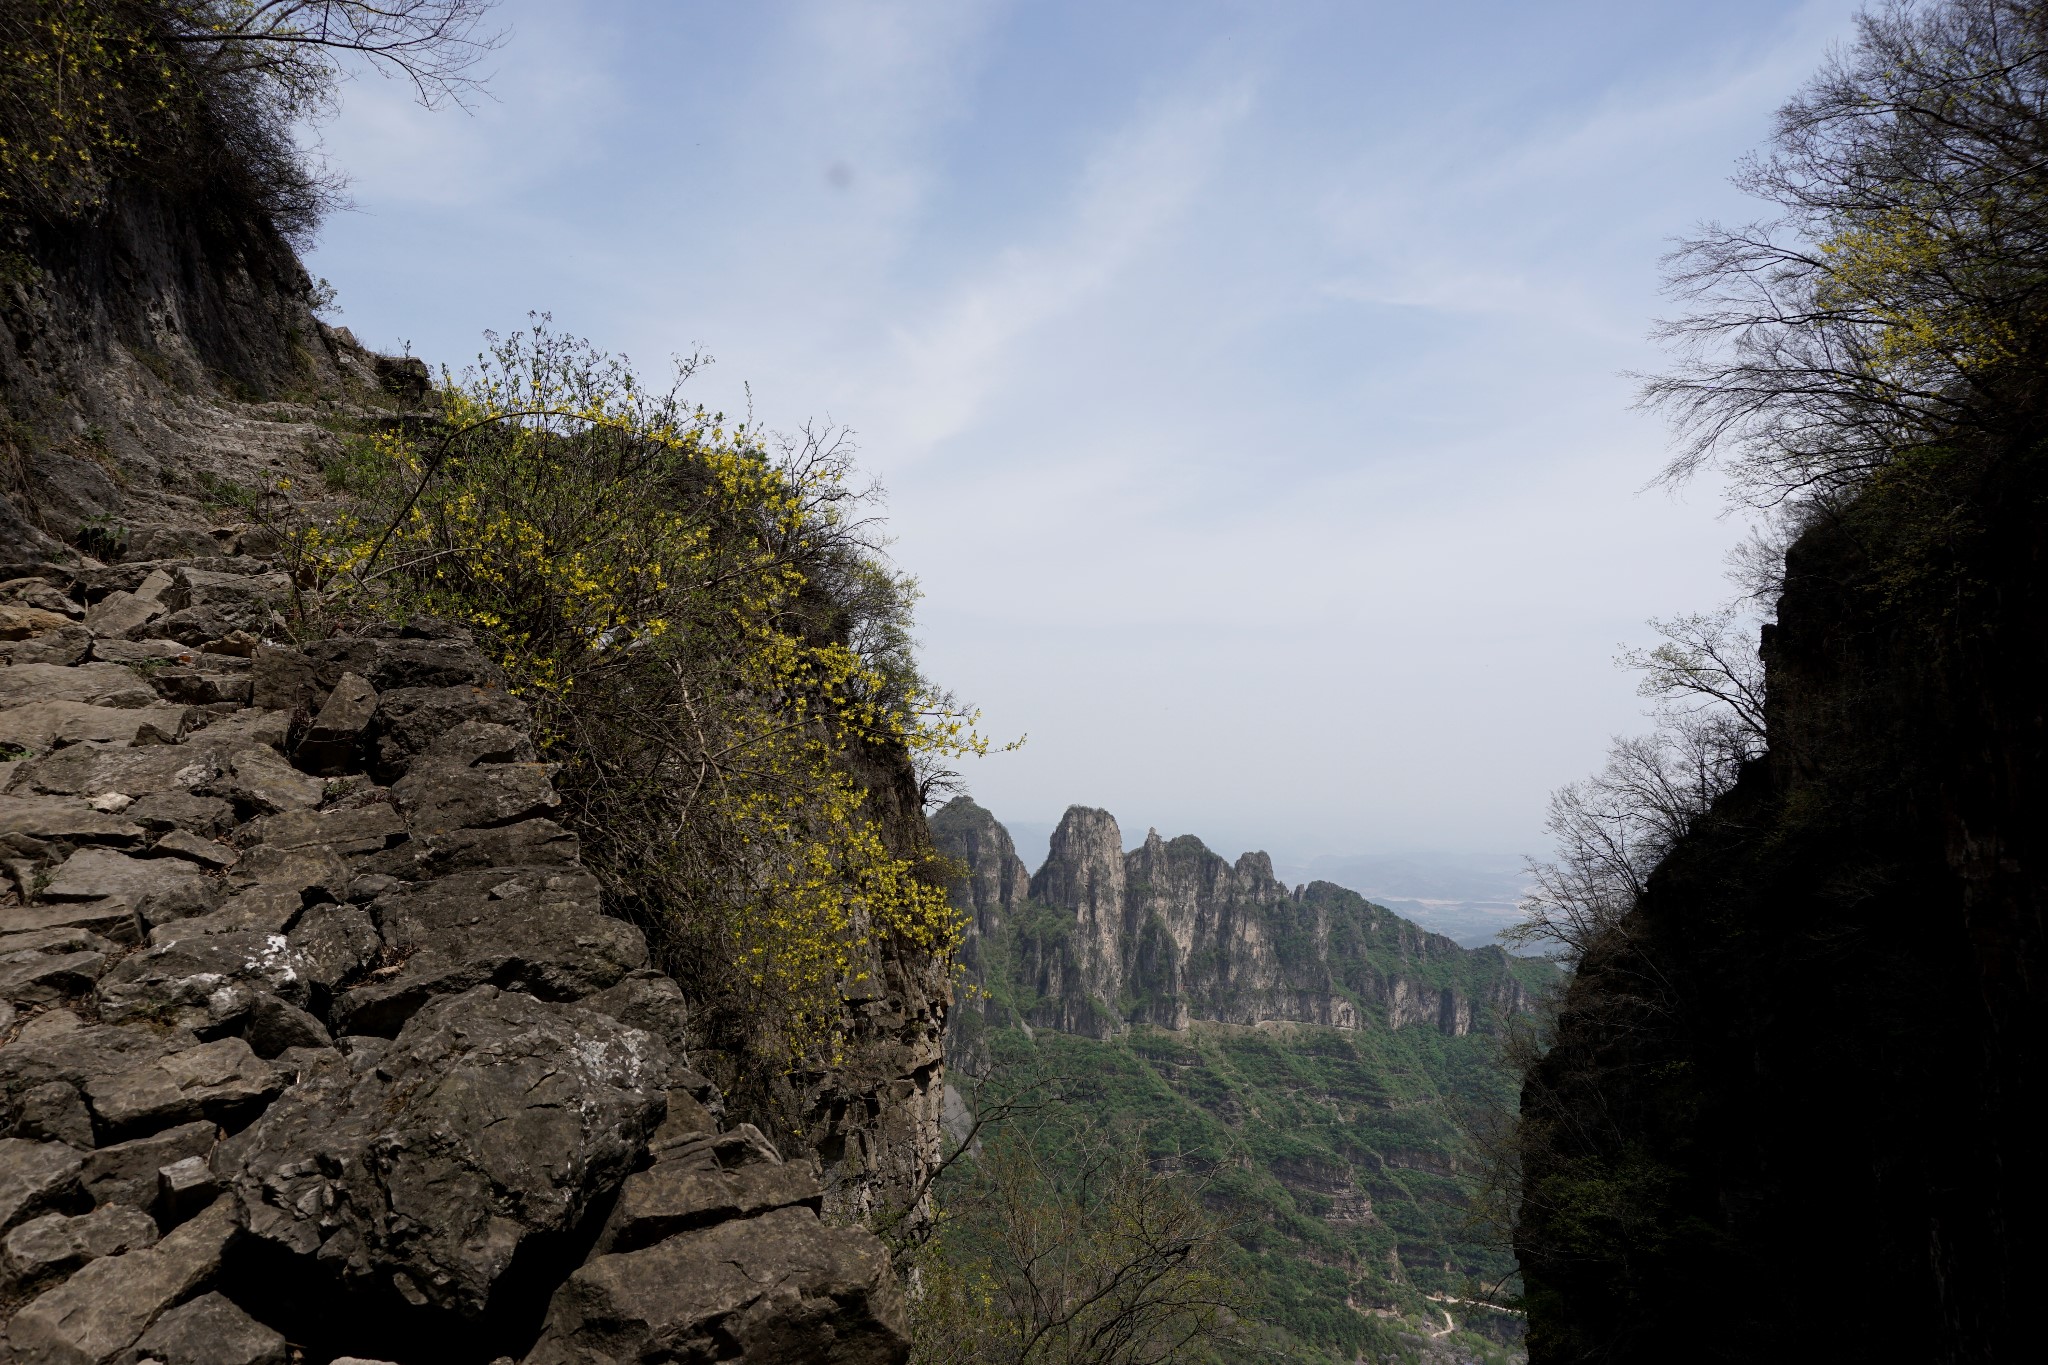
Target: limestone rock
41 726
205 852
441 795
94 684
54 1112
67 820
130 1173
412 720
31 976
427 1161
91 768
259 781
780 1287
210 981
57 1046
180 809
675 1196
537 931
210 1330
35 1177
18 622
282 680
335 944
122 614
361 829
331 745
221 1081
57 1244
100 1311
113 919
158 888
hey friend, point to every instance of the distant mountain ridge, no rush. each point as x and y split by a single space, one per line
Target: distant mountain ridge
1100 939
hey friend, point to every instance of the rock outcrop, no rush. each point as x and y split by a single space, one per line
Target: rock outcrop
1786 1114
315 1034
1167 933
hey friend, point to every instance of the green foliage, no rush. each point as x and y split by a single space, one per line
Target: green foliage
1061 1242
200 95
713 650
1336 1158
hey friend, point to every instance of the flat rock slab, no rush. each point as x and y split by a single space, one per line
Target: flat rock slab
99 1312
129 1174
423 1163
96 684
208 854
31 976
34 1177
221 1081
360 829
158 888
536 931
258 780
209 981
67 819
112 919
210 1330
440 794
94 768
415 720
42 726
57 1244
676 1196
57 1046
781 1287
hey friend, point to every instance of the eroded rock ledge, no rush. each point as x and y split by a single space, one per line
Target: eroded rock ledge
313 1036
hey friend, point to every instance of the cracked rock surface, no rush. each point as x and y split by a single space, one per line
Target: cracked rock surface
315 1039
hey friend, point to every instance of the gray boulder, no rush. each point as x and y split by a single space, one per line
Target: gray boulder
424 1163
94 1316
220 1082
777 1288
57 1244
441 794
130 1173
536 930
158 888
35 1177
210 982
209 1330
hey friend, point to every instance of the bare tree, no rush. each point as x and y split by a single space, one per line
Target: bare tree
305 45
1066 1246
1899 296
1613 828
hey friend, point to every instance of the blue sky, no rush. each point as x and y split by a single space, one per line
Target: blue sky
1245 379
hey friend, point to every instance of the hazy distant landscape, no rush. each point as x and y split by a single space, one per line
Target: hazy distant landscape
1469 897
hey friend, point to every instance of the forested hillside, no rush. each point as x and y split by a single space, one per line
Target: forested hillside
1313 1060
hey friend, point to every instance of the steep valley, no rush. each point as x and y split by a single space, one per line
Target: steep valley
1318 1056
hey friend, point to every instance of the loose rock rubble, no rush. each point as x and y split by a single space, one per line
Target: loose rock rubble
315 1043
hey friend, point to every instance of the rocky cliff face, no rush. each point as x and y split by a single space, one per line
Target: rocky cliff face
1167 933
315 1039
1786 1115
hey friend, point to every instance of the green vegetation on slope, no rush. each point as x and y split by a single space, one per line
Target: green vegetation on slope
1336 1156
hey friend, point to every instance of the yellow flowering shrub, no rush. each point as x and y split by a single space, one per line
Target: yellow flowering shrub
712 647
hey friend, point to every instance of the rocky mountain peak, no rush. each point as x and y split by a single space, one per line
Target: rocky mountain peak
1169 933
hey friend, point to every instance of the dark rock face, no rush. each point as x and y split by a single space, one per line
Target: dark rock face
1167 933
373 1060
426 1162
1790 1111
